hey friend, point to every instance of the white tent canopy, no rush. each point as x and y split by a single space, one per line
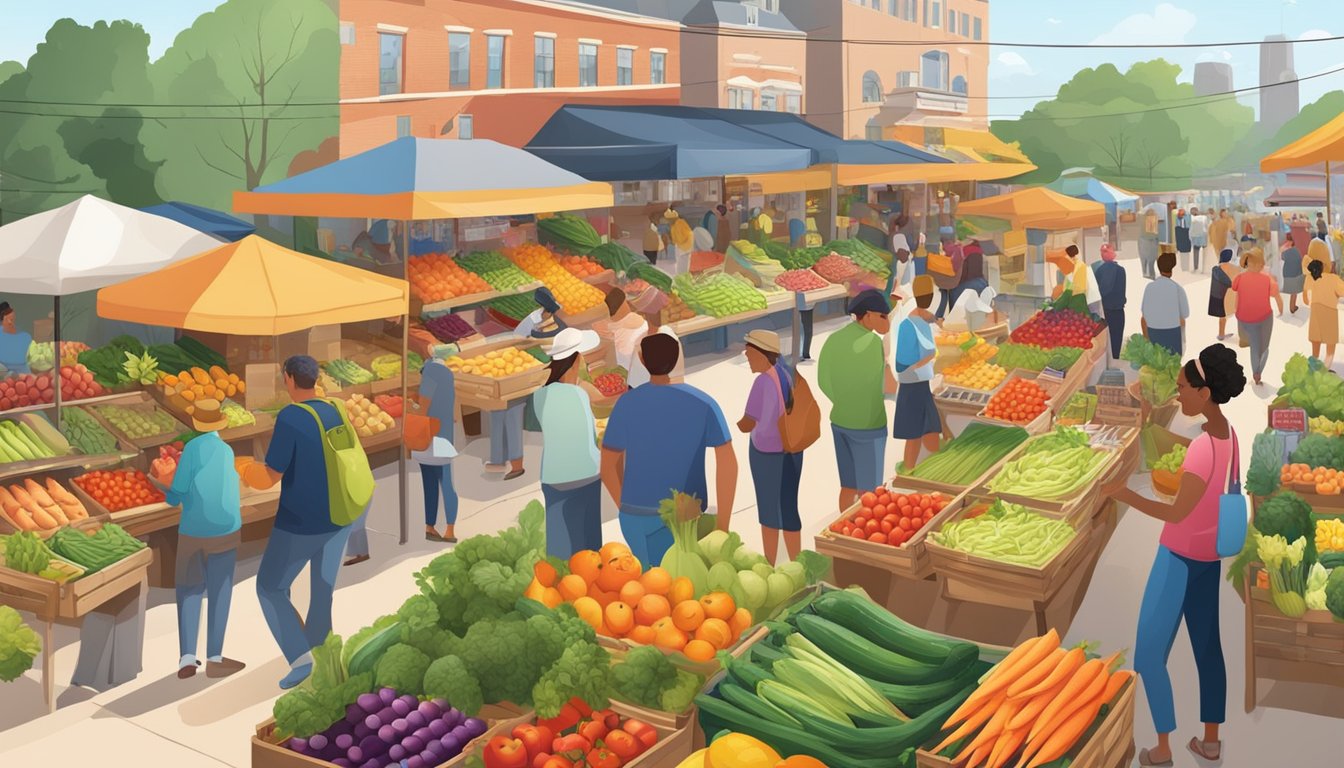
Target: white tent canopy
90 244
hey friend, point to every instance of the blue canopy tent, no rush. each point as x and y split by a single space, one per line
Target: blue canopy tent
218 225
1080 183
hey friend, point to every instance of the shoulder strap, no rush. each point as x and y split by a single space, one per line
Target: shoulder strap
312 412
1233 479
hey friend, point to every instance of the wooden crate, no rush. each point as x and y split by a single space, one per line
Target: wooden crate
1308 649
585 318
674 740
97 509
493 394
140 401
1078 506
52 601
910 560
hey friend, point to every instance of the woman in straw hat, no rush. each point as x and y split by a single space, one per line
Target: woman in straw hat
774 472
1322 295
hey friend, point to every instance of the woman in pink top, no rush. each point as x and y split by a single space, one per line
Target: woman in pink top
1250 297
1186 574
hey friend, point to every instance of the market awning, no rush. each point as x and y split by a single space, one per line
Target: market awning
214 223
1081 184
975 155
254 288
1296 197
1038 208
1322 145
983 146
89 244
415 179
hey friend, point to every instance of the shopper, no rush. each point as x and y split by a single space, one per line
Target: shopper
1110 279
1199 236
1322 229
1165 308
438 400
14 343
304 534
948 275
655 445
1299 231
1221 232
621 331
1250 298
1322 296
1220 282
357 544
972 271
1185 580
544 322
1148 244
653 239
723 231
854 375
1183 244
1317 250
648 306
205 484
1293 279
805 310
902 271
917 420
775 473
570 466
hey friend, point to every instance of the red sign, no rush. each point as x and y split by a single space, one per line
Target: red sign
1288 419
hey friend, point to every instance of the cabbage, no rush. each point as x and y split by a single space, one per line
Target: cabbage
718 546
722 577
752 591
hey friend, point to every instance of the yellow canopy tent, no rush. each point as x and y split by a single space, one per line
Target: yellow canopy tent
255 288
1321 146
1038 208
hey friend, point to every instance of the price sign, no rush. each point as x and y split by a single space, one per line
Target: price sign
1288 420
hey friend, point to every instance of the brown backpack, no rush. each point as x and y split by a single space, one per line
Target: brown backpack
800 423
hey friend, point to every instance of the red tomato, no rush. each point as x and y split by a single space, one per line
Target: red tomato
555 761
503 752
860 521
886 525
581 706
593 730
859 533
872 526
879 537
647 734
868 500
884 498
571 743
601 758
904 523
625 745
536 738
846 530
879 510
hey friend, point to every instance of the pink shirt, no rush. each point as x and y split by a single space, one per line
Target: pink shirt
1254 291
1196 537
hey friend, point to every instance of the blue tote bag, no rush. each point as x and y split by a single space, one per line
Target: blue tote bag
1233 518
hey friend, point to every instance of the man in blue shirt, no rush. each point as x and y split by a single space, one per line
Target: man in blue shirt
655 445
206 486
13 342
304 534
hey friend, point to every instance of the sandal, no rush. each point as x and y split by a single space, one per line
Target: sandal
433 536
1147 762
1201 749
356 560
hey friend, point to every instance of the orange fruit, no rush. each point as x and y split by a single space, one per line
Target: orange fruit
656 581
670 638
587 564
534 591
603 597
699 650
688 615
800 761
551 598
545 573
572 587
642 634
651 608
618 571
681 591
619 617
613 548
741 622
660 624
718 605
715 632
589 610
632 592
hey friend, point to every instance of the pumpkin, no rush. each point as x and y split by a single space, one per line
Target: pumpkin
617 572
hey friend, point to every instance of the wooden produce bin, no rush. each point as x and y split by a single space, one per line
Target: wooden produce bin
619 646
909 561
139 401
954 400
1079 507
487 393
1309 649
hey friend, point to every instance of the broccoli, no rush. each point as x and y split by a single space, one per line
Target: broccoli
418 612
306 710
432 641
1316 450
448 678
583 671
1334 593
19 645
402 669
643 676
1288 515
495 650
682 693
1262 478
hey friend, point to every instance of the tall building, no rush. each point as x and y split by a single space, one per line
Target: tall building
1213 77
1279 99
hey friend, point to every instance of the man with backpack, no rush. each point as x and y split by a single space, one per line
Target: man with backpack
325 484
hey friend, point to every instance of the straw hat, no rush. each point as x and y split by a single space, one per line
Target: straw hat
766 341
207 416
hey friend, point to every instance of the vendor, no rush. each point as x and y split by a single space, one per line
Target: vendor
621 331
648 306
543 322
917 420
506 426
13 342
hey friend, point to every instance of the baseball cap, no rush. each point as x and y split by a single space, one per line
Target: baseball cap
867 301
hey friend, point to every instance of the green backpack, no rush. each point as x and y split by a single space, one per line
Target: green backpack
349 477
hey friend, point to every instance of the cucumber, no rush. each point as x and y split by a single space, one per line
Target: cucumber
717 714
764 654
1331 560
368 654
746 674
889 740
915 699
740 697
866 657
865 618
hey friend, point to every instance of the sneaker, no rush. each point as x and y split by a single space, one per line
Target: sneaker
187 672
496 468
223 668
296 675
514 474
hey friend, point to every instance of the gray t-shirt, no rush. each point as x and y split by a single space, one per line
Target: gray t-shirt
436 385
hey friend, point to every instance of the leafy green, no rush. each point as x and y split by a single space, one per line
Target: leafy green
1061 439
1158 368
321 699
583 672
363 636
1262 477
647 677
447 678
402 669
19 645
1334 593
1309 385
1317 450
1286 514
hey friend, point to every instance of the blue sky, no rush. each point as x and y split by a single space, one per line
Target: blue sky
1014 72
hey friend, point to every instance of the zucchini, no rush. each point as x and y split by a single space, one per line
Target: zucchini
915 699
368 654
865 618
746 674
740 697
765 654
866 657
867 742
717 714
799 705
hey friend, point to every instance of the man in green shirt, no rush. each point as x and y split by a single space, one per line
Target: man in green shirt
853 373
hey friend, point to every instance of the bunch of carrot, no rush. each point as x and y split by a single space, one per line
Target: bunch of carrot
1039 700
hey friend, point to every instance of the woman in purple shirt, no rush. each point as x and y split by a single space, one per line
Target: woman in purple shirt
774 473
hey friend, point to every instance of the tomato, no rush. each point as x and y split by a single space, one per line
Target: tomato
647 734
571 742
872 526
879 537
602 758
847 530
868 500
886 525
581 706
554 761
904 523
593 730
536 738
884 498
625 745
858 533
879 511
503 752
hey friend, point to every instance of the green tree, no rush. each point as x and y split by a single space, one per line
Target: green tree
8 69
267 75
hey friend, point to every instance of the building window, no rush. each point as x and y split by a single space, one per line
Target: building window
793 103
494 61
959 85
391 62
403 126
465 127
625 66
587 65
741 98
544 62
769 101
347 33
911 10
933 70
951 22
965 25
459 61
872 87
893 7
766 5
657 67
933 13
976 27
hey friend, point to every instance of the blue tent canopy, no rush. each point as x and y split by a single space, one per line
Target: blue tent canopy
1080 184
827 148
214 223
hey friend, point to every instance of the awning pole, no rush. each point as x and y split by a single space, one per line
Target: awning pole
402 470
835 199
1327 192
56 344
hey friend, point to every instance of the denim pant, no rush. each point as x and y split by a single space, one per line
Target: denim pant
1170 338
1115 324
574 517
204 567
645 533
1181 588
805 322
286 555
1258 335
437 478
775 477
506 433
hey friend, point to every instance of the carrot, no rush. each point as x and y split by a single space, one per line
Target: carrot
1084 686
996 726
1063 739
1006 746
1114 685
1034 707
1025 657
977 757
1068 665
1037 674
62 496
974 721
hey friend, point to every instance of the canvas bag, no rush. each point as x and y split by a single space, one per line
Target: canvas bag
349 477
1233 519
800 423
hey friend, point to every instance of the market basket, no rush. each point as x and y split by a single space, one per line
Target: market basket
910 560
490 393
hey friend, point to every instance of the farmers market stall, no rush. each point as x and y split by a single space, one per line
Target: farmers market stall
1321 147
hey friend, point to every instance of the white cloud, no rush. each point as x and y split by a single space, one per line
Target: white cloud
1053 20
1011 63
1314 34
1166 25
1221 55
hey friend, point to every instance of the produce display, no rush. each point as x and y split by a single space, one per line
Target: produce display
568 232
42 354
200 384
1054 466
19 645
1264 474
389 366
751 256
1158 368
868 258
1308 384
581 266
120 489
805 258
733 749
107 363
968 456
367 417
978 375
450 328
1081 408
1167 470
237 415
495 269
635 287
676 311
26 552
514 307
1321 425
85 433
495 364
884 517
718 294
573 294
39 506
326 385
1330 535
1030 357
1020 401
610 384
18 442
138 422
650 274
583 737
392 405
77 383
617 257
1036 705
1051 328
705 260
800 280
1006 532
348 371
95 550
836 268
437 277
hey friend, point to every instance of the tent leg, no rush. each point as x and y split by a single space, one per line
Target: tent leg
1327 192
56 345
835 203
402 469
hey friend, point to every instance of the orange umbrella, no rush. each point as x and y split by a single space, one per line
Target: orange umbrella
1038 208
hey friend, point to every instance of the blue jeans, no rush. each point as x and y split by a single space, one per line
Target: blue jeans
1181 588
286 555
506 433
435 478
776 477
1170 338
573 518
646 535
204 566
859 455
